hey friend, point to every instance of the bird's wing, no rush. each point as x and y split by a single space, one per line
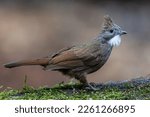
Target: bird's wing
64 59
89 55
72 57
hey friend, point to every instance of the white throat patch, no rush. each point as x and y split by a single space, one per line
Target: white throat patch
115 41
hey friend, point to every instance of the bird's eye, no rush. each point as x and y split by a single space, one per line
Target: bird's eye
111 31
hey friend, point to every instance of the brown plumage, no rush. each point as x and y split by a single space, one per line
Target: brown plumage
80 60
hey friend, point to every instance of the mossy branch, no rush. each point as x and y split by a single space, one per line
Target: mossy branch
138 88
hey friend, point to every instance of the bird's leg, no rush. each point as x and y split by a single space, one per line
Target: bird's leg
83 80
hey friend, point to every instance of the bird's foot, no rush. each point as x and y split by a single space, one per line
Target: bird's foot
89 86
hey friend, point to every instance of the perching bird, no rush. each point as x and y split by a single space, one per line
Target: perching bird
80 60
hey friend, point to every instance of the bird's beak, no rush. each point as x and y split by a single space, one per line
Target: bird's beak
123 32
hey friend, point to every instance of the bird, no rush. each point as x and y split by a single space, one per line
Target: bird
77 61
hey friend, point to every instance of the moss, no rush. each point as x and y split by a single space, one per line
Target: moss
126 90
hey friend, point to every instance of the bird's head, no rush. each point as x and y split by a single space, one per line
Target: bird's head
111 32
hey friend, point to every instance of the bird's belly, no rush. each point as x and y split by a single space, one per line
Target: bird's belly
98 63
96 67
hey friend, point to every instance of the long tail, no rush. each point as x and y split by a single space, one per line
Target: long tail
42 61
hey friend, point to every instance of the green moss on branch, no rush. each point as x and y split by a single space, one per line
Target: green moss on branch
138 88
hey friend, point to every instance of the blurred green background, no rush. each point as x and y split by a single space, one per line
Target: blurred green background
36 28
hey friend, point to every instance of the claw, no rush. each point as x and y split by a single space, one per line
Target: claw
90 87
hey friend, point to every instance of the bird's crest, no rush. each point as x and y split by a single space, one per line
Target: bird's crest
108 23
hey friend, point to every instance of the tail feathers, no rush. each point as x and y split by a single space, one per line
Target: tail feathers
43 61
12 64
